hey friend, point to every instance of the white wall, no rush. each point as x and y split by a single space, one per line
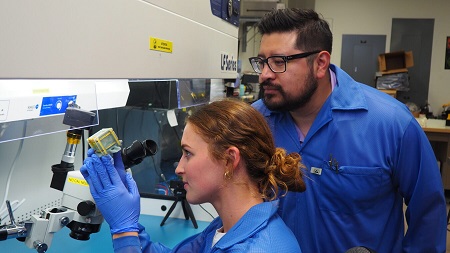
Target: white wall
375 17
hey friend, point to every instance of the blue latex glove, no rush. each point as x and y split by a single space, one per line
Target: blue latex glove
119 203
117 161
118 164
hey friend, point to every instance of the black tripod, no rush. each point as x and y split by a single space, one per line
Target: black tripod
180 195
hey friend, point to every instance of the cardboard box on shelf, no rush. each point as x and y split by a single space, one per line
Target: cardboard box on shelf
392 93
395 62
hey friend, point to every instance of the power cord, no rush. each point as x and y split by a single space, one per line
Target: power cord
207 212
19 151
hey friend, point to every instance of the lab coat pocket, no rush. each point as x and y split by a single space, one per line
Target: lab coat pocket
350 189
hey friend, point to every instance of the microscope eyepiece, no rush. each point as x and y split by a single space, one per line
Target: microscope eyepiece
137 151
106 141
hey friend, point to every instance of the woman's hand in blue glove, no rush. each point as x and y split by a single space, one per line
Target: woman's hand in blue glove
117 161
117 200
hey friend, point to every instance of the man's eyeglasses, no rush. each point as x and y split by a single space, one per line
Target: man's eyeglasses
276 63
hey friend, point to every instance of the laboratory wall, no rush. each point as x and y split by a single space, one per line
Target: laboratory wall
375 17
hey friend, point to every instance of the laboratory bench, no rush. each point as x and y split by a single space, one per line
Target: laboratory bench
439 136
173 232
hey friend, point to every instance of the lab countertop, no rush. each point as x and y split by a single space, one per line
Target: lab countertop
439 136
173 232
437 126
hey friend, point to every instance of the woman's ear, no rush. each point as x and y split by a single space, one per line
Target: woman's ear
234 157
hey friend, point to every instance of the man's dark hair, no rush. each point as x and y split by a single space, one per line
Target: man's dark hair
313 32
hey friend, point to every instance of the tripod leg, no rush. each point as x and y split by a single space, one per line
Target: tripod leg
169 212
187 208
185 205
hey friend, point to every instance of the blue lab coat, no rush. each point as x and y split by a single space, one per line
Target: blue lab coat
380 156
260 230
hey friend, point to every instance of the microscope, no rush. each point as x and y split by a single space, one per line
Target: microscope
78 211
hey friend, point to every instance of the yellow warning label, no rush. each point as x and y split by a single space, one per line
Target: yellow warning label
74 180
160 45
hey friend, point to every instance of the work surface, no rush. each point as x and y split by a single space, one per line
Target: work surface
173 231
439 136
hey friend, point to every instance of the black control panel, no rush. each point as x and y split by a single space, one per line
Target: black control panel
227 10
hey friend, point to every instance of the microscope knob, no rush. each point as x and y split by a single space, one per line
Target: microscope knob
85 208
40 246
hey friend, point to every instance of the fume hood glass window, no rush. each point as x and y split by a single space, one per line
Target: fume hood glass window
168 94
154 174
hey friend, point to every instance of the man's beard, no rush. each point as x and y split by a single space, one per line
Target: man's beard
290 102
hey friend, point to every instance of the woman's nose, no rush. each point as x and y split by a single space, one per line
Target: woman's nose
179 169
